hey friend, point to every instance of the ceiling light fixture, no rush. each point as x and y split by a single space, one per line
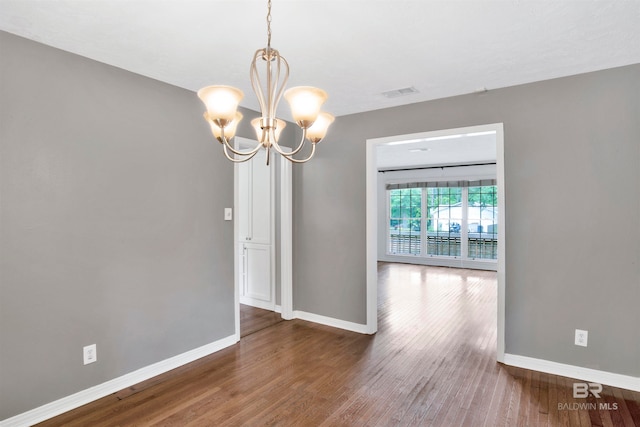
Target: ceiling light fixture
305 102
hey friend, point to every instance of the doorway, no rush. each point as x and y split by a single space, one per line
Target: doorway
372 220
262 241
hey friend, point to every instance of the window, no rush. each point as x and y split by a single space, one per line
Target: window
482 220
405 221
444 219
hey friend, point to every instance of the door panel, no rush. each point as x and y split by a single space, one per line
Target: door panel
257 284
255 200
260 200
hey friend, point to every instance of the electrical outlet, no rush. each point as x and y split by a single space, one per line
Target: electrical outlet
582 337
90 354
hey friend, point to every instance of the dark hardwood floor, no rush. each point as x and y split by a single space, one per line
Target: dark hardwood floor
432 363
254 319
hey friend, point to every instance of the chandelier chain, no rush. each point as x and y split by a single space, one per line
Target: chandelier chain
269 24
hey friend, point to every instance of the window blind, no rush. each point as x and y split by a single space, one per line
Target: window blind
443 184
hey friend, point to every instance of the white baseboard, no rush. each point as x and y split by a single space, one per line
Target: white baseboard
83 397
253 302
490 265
592 375
330 321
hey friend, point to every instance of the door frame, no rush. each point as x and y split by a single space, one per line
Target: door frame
372 222
286 235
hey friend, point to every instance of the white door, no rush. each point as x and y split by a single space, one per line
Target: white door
255 239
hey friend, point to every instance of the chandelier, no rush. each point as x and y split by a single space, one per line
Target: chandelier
305 102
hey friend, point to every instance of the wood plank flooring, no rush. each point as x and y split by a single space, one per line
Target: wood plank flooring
432 363
254 319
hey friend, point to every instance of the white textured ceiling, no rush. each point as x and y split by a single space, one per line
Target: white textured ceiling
461 149
354 49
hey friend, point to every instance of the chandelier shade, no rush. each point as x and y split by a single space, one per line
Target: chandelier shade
229 130
305 103
319 128
260 130
221 102
269 86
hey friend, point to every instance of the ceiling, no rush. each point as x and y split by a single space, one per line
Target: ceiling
354 49
459 149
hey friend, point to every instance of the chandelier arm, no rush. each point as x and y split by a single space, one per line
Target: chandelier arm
272 85
278 95
264 137
249 156
291 159
269 110
256 84
241 153
226 143
298 148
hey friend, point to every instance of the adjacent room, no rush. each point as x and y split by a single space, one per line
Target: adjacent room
427 214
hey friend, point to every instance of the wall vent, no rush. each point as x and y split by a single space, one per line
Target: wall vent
400 92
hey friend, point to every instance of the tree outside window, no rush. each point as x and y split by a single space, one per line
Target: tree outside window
405 220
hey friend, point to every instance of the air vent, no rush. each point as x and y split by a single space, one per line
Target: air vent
400 92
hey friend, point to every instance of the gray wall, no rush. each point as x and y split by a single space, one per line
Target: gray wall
111 230
572 150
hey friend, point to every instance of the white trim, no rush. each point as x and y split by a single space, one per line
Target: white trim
372 234
83 397
441 261
501 276
272 233
592 375
372 220
257 303
286 240
330 321
236 250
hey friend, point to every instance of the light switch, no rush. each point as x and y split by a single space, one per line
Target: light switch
228 214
